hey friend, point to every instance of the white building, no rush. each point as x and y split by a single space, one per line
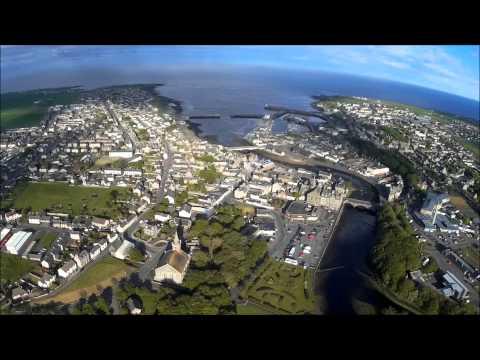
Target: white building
95 252
373 172
185 212
67 269
46 281
122 251
124 154
12 216
162 217
173 265
18 242
74 235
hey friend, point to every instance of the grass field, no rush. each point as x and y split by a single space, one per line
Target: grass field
93 280
281 286
459 202
472 256
251 309
23 109
13 267
47 240
62 197
474 148
113 163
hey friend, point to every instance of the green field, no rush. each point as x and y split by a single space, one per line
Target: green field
472 256
474 148
251 309
47 240
460 203
60 197
103 270
394 133
330 102
281 287
13 267
23 109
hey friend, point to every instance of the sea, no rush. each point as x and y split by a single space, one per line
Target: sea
233 90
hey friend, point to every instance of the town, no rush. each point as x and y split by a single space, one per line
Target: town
119 178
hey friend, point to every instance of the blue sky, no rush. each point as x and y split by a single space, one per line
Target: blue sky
452 69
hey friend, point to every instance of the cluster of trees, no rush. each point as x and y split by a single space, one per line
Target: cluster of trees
394 133
475 175
199 187
94 305
226 257
397 252
204 294
209 174
395 161
223 247
206 158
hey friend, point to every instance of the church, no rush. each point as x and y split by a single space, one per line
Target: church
174 263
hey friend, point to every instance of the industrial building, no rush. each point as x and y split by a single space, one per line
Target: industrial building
454 287
18 242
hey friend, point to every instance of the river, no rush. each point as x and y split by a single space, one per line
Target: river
343 290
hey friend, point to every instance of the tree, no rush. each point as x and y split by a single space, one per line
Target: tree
114 194
198 228
102 306
238 223
181 198
431 267
135 255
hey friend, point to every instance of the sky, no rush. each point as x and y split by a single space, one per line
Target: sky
451 69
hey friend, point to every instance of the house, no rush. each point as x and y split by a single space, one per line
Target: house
132 172
47 261
266 228
82 259
112 237
12 216
170 199
67 269
173 265
46 281
103 243
120 249
134 305
162 217
296 211
185 211
95 251
74 235
100 223
19 294
33 219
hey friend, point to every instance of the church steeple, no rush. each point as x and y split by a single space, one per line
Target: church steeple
177 245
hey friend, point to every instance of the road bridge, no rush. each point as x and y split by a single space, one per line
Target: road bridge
246 148
356 203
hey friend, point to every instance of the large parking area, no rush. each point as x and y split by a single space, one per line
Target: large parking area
303 243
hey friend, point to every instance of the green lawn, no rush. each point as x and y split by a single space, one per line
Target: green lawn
282 286
472 256
13 267
251 309
103 270
474 148
47 240
27 108
69 199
